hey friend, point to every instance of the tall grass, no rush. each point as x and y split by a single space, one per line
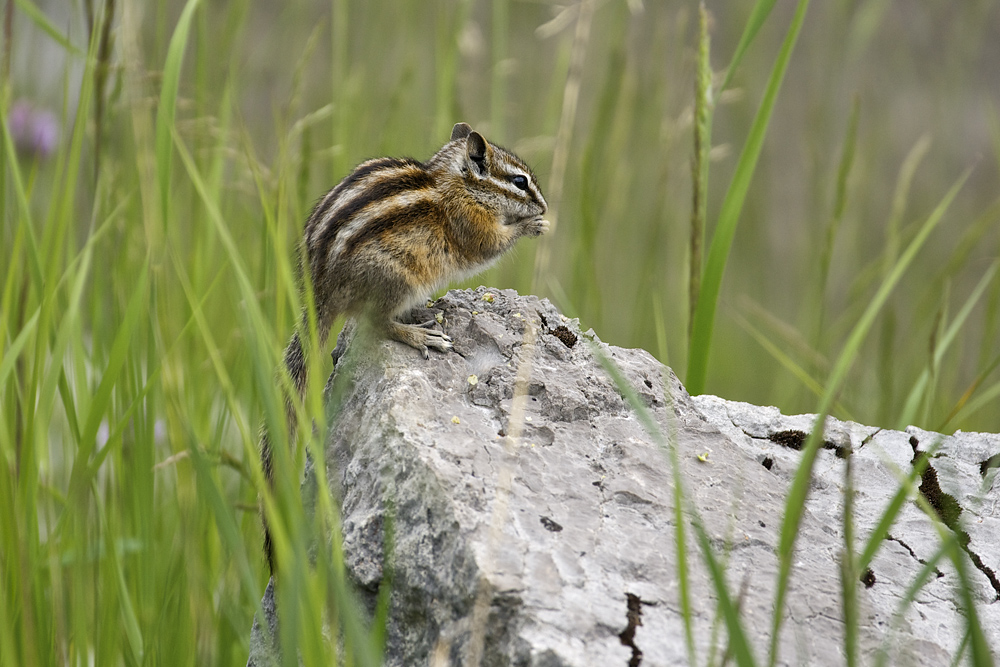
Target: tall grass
703 318
149 274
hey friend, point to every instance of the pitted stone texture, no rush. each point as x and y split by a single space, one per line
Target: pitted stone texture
589 518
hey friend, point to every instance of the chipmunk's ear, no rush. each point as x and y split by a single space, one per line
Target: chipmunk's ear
475 145
460 131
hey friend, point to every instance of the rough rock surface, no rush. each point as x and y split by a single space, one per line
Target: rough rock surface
562 515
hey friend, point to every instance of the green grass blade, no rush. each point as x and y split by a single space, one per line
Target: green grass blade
703 107
168 105
833 226
23 206
62 213
661 330
729 216
69 407
119 355
500 27
916 396
452 20
208 489
790 364
982 654
11 354
683 571
738 644
69 319
761 10
42 21
133 633
796 499
900 197
966 404
849 569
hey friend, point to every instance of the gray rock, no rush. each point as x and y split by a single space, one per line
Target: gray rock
556 511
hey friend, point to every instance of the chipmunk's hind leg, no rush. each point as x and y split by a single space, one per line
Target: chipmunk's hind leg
390 297
418 336
426 325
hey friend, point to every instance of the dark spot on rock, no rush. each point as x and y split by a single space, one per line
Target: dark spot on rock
790 439
767 462
797 440
914 442
502 433
992 462
945 506
627 636
550 525
567 337
630 499
762 524
868 578
649 385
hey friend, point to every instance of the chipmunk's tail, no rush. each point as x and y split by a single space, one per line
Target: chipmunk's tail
296 364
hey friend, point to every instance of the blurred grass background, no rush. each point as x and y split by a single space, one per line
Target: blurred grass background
148 260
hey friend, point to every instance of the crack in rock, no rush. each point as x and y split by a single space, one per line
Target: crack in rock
627 636
913 554
948 511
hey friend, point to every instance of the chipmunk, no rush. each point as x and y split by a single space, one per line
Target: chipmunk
396 230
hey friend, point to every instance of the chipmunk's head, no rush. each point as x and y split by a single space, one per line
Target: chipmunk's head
496 177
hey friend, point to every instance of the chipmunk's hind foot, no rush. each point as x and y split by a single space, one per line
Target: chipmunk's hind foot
419 338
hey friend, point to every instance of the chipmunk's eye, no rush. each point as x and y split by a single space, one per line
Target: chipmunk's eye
520 182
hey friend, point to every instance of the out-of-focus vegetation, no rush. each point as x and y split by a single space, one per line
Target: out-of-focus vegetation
159 159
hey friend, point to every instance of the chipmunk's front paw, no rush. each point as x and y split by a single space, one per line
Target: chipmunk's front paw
536 227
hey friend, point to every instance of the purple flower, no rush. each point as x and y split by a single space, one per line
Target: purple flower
34 131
